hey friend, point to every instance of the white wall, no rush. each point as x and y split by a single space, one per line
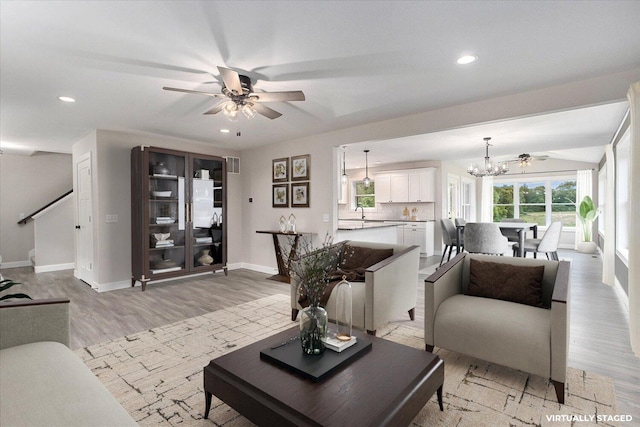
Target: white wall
259 215
27 183
111 152
54 237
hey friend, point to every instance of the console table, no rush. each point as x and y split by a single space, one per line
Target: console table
283 268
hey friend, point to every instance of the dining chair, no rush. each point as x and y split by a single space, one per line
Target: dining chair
511 235
484 238
547 245
449 238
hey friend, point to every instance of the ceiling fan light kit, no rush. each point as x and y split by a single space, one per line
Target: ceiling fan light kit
239 94
490 168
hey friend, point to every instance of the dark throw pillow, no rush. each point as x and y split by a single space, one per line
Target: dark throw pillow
358 257
508 282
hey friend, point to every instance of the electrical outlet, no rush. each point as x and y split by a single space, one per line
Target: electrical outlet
112 218
325 217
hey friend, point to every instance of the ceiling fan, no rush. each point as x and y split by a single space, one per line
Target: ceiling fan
238 95
525 159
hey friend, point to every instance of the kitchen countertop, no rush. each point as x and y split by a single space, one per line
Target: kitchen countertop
359 224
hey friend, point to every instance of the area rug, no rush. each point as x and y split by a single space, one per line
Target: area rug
157 376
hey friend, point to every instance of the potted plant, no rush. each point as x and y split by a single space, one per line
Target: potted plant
587 213
6 284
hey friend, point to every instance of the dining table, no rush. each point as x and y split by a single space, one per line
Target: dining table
520 227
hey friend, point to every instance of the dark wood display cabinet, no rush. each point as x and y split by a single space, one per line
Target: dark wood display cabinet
178 213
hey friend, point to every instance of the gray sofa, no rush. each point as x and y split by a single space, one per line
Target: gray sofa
533 339
43 382
390 288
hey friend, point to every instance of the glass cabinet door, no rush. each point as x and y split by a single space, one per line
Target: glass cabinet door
167 213
206 219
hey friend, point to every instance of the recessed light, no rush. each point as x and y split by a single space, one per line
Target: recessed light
225 130
467 59
66 99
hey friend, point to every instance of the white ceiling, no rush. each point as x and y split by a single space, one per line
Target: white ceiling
357 62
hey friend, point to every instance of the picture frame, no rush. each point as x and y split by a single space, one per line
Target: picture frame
300 195
280 196
280 170
300 167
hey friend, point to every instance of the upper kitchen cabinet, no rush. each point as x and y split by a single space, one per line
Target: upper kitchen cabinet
177 212
422 185
414 185
392 188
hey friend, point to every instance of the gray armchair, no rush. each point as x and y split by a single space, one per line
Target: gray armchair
389 290
529 338
485 238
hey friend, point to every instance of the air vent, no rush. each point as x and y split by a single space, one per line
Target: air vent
233 165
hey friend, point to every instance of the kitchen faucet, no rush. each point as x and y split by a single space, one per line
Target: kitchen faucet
362 211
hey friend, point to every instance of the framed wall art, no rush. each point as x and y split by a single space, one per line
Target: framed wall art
300 167
280 170
300 195
280 196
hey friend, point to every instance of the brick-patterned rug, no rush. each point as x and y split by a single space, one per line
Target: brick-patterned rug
157 375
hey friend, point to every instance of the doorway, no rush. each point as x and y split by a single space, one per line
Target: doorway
84 225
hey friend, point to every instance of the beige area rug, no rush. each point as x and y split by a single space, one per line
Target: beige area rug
157 375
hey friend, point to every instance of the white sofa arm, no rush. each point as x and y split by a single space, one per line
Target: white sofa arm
444 283
24 322
391 287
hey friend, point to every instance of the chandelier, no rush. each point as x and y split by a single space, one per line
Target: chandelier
490 168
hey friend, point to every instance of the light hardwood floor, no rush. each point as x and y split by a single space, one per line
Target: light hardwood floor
599 317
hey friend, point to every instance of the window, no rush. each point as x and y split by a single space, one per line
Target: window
535 200
563 202
532 206
467 199
364 196
503 202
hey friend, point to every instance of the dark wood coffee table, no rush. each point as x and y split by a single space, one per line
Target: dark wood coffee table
387 386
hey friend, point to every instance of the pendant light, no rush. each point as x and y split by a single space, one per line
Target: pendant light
344 169
366 180
490 168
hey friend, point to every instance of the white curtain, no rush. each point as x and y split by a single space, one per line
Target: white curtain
609 250
583 188
634 227
486 211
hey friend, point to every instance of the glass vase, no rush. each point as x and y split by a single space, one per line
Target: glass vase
313 329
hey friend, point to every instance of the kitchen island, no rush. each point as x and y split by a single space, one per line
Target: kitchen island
404 232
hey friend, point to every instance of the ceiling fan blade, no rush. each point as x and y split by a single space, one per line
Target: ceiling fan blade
216 108
266 111
197 92
231 80
294 95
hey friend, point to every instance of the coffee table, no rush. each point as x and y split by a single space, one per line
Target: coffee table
387 386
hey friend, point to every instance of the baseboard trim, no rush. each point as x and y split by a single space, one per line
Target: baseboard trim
113 286
15 264
54 267
259 268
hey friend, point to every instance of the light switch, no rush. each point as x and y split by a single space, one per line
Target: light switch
112 218
325 217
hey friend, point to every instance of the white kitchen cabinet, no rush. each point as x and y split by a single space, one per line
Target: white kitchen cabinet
421 185
383 188
399 188
392 188
414 185
419 234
